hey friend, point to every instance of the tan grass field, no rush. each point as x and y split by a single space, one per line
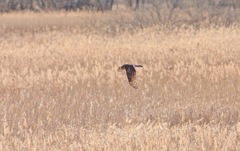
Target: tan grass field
60 89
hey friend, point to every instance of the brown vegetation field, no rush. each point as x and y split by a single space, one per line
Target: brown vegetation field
60 89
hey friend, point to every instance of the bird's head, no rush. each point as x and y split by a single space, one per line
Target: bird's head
120 69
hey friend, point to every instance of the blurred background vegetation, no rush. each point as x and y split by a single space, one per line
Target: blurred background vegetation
175 12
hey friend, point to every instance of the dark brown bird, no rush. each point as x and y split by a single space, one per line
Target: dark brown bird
131 73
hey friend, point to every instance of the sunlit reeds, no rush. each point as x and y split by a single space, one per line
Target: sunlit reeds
60 89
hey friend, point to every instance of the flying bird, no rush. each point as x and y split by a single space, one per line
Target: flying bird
131 73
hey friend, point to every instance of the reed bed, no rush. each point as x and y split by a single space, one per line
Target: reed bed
60 89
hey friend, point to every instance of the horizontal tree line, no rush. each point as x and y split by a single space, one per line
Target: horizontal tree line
102 5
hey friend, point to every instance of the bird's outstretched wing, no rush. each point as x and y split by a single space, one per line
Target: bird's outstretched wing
131 74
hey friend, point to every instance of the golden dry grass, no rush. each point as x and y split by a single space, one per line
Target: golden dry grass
60 89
